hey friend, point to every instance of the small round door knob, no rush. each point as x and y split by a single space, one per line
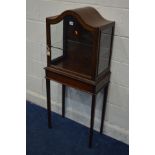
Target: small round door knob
76 32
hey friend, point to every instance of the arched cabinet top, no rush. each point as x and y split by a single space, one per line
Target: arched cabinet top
88 17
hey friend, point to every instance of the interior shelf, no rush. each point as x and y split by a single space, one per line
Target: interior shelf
73 66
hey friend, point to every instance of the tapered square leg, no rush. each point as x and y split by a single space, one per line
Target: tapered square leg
48 92
92 120
104 107
63 100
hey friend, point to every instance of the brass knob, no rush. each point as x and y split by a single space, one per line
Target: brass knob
76 32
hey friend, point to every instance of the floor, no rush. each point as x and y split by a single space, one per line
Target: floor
66 137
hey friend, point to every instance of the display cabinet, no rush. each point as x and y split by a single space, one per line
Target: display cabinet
79 47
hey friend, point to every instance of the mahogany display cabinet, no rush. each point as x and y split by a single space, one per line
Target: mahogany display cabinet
79 47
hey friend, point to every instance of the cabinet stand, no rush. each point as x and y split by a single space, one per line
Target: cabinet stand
93 105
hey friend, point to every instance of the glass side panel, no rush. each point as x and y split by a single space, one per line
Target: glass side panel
104 55
56 40
72 47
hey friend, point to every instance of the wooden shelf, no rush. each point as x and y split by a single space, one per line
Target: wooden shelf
84 41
